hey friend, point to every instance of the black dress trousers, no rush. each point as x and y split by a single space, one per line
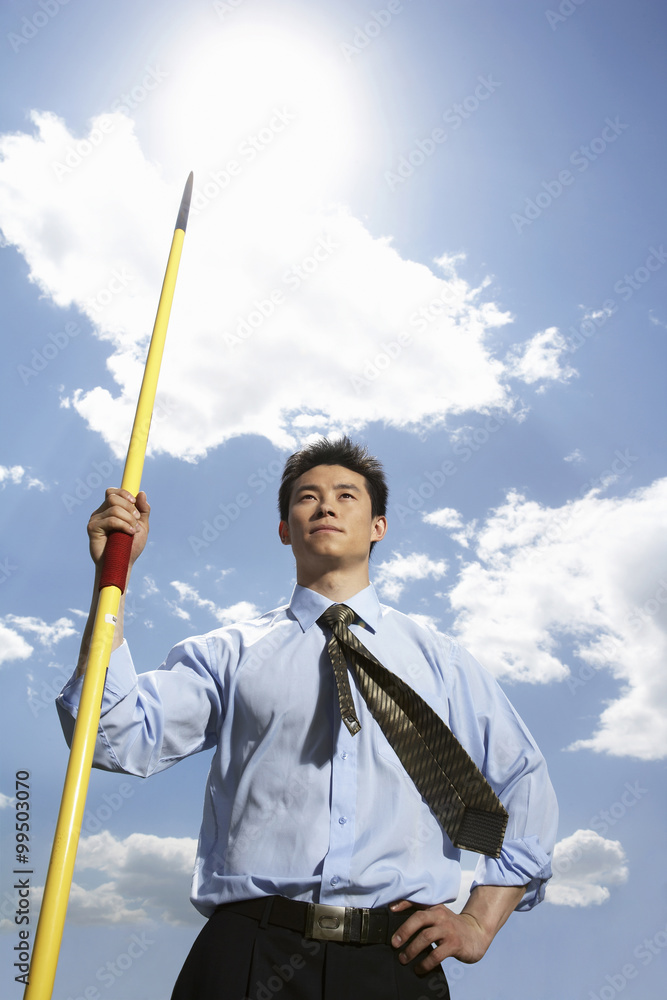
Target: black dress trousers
238 958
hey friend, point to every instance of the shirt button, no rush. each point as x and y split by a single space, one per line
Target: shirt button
344 754
335 880
343 820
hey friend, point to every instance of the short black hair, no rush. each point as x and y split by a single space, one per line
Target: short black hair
342 451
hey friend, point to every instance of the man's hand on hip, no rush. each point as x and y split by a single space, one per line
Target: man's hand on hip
465 936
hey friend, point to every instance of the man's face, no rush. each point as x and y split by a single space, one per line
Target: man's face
330 525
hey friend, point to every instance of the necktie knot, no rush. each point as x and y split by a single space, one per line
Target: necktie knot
337 614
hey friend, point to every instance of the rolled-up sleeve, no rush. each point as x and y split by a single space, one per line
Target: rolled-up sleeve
149 721
516 770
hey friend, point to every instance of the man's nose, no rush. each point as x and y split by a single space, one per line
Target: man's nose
325 509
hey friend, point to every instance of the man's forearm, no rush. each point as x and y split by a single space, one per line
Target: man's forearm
491 905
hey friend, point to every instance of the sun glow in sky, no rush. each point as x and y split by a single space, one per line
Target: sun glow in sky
240 93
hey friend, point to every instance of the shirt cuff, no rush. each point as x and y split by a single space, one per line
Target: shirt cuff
521 862
120 680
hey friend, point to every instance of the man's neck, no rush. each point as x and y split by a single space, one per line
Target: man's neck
337 585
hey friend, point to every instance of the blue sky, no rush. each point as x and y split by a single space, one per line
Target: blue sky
437 226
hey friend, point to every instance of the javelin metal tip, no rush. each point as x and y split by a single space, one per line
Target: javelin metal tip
184 210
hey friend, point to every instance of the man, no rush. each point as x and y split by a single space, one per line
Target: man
304 807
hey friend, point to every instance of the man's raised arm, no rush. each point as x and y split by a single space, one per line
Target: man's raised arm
119 512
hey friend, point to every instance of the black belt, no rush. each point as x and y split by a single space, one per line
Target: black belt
321 922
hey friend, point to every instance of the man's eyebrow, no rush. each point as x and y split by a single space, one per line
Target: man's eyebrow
338 486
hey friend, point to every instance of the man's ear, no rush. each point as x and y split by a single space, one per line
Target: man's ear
379 529
283 531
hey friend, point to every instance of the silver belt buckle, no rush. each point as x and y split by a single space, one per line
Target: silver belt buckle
325 923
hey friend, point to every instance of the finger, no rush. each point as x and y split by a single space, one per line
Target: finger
122 498
120 521
434 959
119 491
118 516
409 927
425 939
422 930
114 500
402 904
120 503
142 503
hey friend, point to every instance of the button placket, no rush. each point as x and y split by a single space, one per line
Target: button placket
337 863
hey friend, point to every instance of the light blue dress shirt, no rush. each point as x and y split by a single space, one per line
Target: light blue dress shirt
294 804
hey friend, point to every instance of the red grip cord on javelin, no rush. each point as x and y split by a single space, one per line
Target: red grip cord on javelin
116 560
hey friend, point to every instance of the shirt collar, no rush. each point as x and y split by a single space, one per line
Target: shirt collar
307 606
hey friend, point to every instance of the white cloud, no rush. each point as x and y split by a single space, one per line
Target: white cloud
289 317
5 801
574 456
11 474
15 474
47 635
539 359
450 519
99 906
241 611
391 577
13 646
427 621
585 865
146 876
591 573
446 517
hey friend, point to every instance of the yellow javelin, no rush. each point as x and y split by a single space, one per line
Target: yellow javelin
112 584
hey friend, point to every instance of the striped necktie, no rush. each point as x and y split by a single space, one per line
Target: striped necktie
447 778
